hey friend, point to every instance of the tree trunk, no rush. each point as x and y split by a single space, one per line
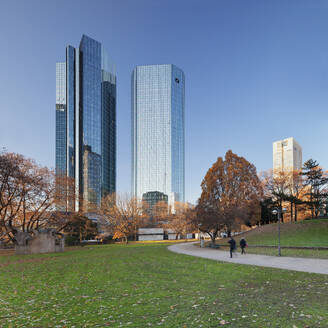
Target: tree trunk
213 237
291 211
311 202
295 212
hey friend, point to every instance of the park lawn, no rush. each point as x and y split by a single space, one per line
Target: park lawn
145 285
312 233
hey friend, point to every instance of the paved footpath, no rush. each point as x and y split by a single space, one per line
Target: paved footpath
288 263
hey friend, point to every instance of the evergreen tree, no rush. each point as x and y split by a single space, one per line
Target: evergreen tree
316 181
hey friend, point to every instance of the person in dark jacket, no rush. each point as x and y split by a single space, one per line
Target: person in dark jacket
232 243
243 244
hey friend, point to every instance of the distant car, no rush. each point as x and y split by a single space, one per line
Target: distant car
223 235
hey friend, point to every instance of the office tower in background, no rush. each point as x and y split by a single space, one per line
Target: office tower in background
86 121
287 155
158 141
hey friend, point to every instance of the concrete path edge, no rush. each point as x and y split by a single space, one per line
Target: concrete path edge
288 263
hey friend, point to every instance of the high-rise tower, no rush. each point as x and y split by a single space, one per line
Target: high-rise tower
158 141
86 121
287 155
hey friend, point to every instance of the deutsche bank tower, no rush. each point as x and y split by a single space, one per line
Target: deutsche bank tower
86 121
158 141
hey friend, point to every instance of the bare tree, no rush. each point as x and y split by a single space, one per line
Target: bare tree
26 195
179 221
160 213
285 187
122 215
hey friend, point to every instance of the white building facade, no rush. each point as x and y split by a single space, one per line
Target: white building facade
287 155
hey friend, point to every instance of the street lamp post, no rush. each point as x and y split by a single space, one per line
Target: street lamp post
278 211
200 242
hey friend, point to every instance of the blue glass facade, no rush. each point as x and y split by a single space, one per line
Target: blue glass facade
158 131
178 132
90 62
108 138
61 130
70 94
86 128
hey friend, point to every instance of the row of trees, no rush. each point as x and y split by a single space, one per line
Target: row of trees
32 198
29 198
232 195
303 192
121 216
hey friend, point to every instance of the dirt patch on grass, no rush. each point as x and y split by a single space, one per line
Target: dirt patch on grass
6 252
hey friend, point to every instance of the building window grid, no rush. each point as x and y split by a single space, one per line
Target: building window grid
153 108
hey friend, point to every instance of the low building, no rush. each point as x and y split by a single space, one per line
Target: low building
150 234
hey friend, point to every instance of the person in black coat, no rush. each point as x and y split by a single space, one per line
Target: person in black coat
232 243
243 244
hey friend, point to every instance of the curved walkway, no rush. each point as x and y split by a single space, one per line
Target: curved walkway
288 263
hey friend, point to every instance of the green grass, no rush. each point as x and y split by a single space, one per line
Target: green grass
308 233
311 233
144 285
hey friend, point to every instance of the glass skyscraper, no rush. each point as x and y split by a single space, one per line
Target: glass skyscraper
158 154
86 121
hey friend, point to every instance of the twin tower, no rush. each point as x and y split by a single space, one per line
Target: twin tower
86 126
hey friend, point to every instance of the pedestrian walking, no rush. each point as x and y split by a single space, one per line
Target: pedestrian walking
243 244
232 243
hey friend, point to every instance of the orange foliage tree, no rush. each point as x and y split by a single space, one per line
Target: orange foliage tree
231 194
179 220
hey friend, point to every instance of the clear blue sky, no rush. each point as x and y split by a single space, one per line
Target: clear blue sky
256 72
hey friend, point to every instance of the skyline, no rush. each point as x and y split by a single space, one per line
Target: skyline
246 87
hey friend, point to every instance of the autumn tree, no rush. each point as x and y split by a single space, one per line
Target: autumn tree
276 186
160 212
231 194
297 192
26 195
284 188
122 215
178 220
156 214
64 197
80 227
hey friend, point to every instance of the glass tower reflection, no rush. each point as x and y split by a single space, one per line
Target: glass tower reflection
86 121
158 160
